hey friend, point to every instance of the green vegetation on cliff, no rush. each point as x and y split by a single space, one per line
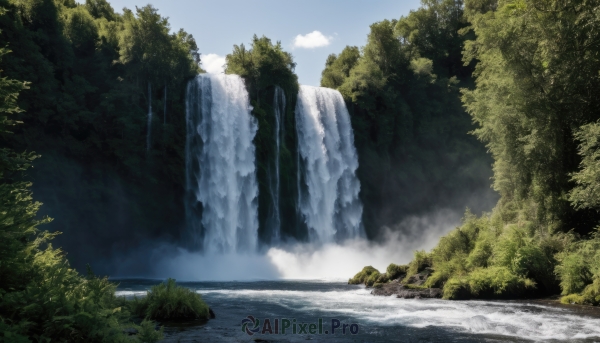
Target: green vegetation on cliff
411 130
536 108
265 66
86 113
41 297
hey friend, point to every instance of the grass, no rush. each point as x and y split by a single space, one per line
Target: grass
168 301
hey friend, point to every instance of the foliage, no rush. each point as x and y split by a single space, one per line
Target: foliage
364 276
167 301
587 192
41 297
534 104
394 271
148 333
370 276
492 282
86 113
535 83
420 261
411 131
579 271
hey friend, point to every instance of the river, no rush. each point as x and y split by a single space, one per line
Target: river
316 306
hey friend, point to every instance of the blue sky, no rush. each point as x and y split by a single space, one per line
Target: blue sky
219 24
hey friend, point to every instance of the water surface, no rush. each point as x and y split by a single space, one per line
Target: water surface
380 319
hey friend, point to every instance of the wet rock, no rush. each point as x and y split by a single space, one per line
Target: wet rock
420 293
411 289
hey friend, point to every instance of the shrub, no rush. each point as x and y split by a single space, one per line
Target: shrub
579 265
499 281
168 301
394 271
421 261
372 279
589 296
383 278
148 333
363 276
445 270
486 283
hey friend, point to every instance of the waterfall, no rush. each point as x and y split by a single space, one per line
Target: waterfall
221 205
149 133
327 162
275 181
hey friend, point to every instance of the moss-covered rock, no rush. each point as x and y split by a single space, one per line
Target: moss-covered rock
368 276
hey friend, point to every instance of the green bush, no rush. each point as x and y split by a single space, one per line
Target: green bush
589 296
383 278
372 279
394 271
489 282
148 333
579 265
445 270
168 301
363 276
421 261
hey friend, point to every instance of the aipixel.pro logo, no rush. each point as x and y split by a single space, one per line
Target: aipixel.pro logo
252 325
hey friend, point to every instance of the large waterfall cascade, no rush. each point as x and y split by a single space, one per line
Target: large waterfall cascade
279 103
327 164
220 164
222 189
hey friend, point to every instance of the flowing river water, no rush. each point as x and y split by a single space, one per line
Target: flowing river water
379 319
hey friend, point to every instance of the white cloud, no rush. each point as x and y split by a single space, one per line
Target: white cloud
213 63
312 40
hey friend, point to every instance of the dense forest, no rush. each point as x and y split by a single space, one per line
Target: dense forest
411 130
535 106
93 74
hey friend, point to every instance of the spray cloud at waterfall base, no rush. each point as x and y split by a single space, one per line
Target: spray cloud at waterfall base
310 261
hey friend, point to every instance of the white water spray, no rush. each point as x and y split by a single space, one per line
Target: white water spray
220 165
329 205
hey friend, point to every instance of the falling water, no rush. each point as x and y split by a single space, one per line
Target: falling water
329 204
220 165
275 181
149 133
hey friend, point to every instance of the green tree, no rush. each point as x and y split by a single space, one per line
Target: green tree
411 132
587 192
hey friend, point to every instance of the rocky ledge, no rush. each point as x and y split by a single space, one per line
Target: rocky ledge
407 292
409 289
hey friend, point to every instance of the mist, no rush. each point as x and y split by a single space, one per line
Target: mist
294 261
341 261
